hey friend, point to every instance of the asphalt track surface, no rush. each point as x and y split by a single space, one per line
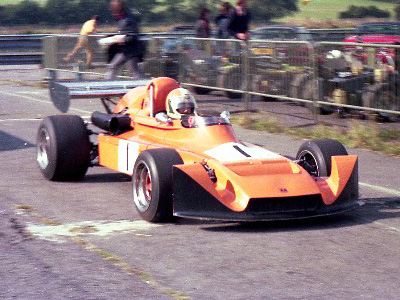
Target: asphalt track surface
85 240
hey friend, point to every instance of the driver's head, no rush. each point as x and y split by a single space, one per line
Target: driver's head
180 102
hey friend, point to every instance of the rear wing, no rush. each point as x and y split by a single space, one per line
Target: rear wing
61 92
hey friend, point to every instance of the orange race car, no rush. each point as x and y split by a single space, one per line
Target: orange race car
187 164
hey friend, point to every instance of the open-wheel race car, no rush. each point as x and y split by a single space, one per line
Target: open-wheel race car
194 166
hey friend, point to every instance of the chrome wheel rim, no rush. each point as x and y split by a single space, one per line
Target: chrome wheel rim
307 160
142 187
43 148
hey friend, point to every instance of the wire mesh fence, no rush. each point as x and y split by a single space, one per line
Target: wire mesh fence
325 76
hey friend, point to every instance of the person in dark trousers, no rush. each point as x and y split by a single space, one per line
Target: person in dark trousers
222 21
240 21
203 24
128 45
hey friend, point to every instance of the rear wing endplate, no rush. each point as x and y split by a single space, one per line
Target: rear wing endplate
62 92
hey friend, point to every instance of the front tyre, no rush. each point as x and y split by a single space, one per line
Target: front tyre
152 183
63 148
315 156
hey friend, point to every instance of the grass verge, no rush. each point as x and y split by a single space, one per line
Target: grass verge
356 135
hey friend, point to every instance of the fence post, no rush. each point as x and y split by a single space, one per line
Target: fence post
371 58
316 88
246 74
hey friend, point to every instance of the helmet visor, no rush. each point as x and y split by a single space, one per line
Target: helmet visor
185 108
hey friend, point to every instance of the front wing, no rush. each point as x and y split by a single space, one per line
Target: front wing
192 200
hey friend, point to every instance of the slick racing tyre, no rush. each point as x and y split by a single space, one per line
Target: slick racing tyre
152 183
63 148
315 156
307 94
383 96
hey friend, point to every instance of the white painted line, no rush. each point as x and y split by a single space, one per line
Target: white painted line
35 119
40 101
35 92
387 226
5 120
380 188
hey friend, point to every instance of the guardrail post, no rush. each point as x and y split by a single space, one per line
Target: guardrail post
52 75
78 71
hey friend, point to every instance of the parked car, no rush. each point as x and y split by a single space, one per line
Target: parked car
377 32
282 33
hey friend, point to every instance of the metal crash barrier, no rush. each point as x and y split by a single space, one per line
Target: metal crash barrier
57 47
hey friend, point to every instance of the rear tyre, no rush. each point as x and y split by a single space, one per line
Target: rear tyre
315 156
297 84
152 183
307 94
63 148
383 96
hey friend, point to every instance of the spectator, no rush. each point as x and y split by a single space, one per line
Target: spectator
222 20
89 27
240 21
202 25
129 47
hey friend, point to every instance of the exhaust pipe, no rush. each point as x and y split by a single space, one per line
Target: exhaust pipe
111 122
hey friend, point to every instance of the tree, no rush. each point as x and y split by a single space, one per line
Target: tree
142 8
28 12
354 12
265 10
62 11
397 12
88 8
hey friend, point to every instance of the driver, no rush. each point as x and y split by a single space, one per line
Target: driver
180 102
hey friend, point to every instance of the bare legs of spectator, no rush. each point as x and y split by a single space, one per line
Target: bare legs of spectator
117 62
89 53
83 42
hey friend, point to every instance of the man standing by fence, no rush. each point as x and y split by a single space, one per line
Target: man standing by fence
129 47
240 21
222 21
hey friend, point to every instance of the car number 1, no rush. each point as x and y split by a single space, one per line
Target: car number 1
128 152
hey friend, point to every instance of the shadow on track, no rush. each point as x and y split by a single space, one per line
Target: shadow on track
106 177
10 142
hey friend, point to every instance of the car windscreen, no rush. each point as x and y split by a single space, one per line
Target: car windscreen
194 121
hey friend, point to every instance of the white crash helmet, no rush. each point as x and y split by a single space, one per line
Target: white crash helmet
180 102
